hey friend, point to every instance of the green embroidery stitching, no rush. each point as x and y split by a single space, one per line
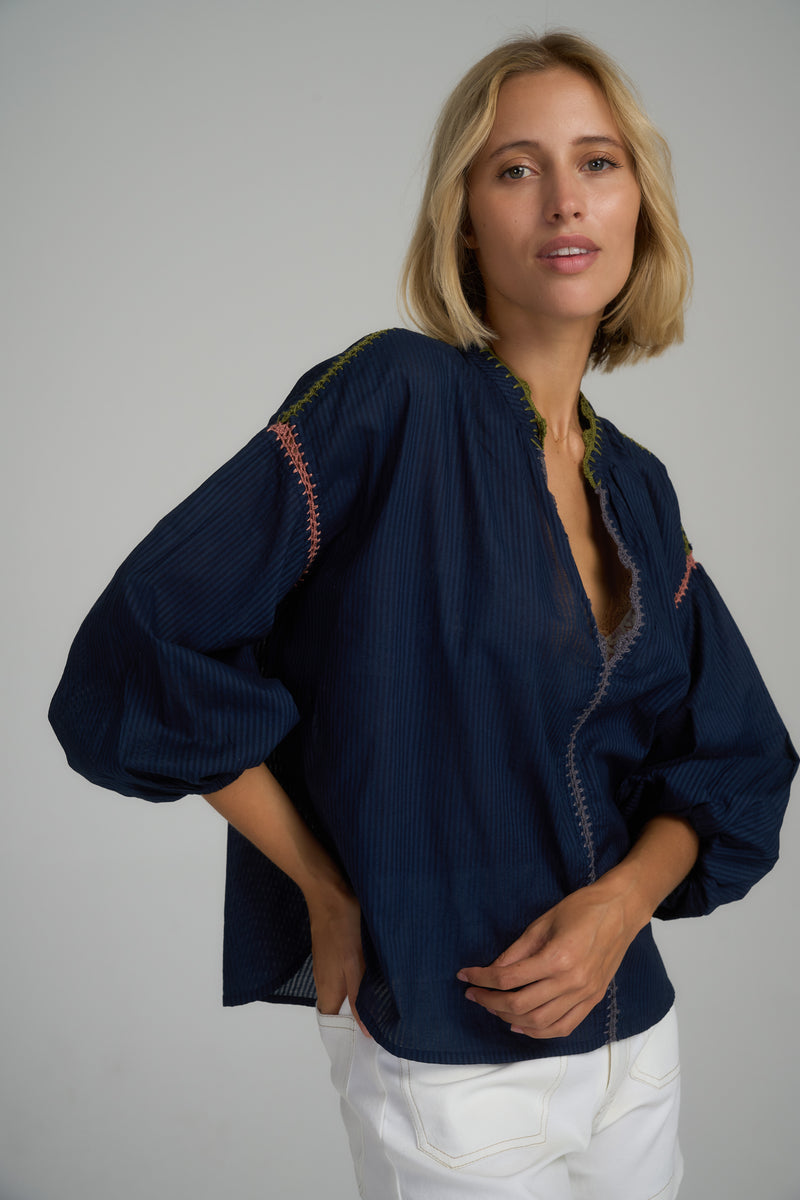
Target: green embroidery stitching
591 435
591 440
687 545
633 441
541 424
320 384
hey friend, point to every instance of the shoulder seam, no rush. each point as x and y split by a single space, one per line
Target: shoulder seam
638 445
320 384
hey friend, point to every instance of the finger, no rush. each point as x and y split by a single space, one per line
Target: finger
544 1024
515 1006
526 960
329 1002
504 978
351 999
359 1022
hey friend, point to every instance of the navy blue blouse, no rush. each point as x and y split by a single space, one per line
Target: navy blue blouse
377 596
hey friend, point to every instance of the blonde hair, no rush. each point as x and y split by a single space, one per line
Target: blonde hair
441 287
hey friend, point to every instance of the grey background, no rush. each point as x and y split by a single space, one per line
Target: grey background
200 200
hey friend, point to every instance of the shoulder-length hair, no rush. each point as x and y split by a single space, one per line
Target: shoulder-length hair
441 287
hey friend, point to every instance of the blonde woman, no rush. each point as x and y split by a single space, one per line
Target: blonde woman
435 645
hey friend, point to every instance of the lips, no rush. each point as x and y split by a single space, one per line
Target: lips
570 254
567 247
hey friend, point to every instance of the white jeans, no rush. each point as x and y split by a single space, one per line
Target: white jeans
597 1126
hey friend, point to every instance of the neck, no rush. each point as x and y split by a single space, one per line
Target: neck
552 362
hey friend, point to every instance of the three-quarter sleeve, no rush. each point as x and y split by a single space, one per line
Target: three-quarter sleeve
722 759
161 695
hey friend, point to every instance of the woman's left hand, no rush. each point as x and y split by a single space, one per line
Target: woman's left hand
560 968
551 978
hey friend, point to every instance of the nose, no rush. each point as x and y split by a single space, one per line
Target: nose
562 198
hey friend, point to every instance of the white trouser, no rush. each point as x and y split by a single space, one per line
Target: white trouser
597 1126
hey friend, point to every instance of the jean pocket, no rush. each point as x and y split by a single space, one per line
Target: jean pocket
462 1114
338 1033
658 1061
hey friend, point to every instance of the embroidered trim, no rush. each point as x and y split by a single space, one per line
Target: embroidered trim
520 385
591 440
320 384
683 589
639 445
612 1016
287 436
623 645
591 434
573 777
630 632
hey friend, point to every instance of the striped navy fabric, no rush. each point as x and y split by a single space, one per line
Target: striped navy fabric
377 596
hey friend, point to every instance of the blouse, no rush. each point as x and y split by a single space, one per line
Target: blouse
377 597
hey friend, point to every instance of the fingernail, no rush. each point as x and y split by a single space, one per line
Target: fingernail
516 1029
462 975
470 996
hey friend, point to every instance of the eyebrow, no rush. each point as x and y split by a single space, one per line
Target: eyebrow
588 139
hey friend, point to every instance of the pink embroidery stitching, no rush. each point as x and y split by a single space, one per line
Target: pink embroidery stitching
683 589
287 436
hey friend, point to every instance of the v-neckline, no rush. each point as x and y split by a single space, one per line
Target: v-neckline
619 636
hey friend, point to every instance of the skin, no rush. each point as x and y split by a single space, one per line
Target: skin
555 166
550 978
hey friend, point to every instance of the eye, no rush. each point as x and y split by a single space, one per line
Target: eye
599 164
515 172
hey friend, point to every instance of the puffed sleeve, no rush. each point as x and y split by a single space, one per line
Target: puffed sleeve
161 695
721 758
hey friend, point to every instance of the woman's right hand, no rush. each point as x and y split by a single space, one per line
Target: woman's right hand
337 955
260 809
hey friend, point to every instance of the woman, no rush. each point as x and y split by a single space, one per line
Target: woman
506 716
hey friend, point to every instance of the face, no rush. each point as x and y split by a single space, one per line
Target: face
553 203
